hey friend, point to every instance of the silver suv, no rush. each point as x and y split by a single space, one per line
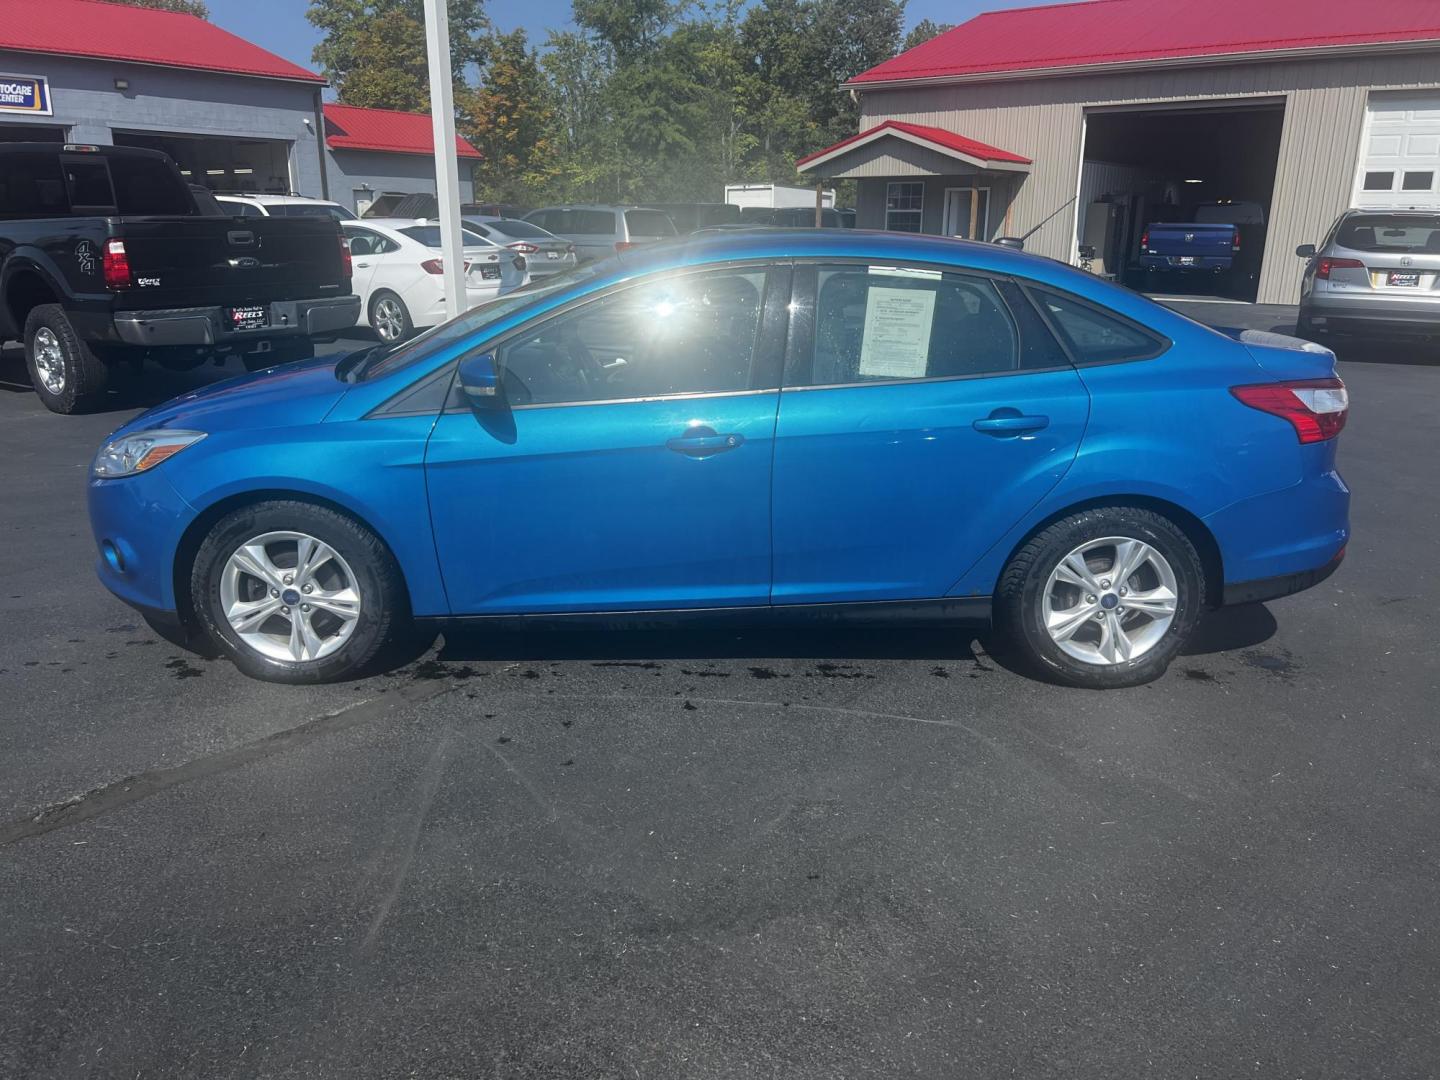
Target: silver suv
601 231
1378 272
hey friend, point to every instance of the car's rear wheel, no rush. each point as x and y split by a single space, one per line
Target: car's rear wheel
389 317
1105 598
67 375
297 593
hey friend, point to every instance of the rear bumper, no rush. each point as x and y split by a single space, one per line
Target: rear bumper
1201 263
1272 588
206 325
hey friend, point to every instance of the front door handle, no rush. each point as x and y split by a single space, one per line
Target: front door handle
1009 423
702 442
362 264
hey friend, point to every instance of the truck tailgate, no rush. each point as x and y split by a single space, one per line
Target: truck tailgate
202 261
1190 239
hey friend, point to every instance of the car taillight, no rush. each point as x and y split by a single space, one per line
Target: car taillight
1315 408
524 248
1323 268
433 266
346 264
622 245
115 265
1235 243
1145 240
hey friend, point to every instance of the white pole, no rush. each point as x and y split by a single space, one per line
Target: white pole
447 169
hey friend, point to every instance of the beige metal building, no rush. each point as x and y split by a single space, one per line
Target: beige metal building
1085 121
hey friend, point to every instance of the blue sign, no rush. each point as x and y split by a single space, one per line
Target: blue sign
29 94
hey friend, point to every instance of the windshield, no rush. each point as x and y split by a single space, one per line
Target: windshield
1391 232
387 359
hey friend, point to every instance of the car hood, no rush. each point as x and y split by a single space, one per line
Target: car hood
292 394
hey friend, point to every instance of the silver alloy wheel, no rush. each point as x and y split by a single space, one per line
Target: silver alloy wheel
1110 600
49 360
389 320
290 596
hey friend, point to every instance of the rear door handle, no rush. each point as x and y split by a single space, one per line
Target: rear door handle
703 442
1008 423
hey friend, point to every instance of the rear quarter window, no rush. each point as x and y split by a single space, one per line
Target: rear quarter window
648 223
1094 336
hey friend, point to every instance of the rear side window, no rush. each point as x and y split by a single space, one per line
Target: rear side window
512 227
148 186
1097 337
589 222
1391 233
32 185
648 224
885 323
88 183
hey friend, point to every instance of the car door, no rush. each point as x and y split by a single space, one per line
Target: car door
923 413
630 466
365 247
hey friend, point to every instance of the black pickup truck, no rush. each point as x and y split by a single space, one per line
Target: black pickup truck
107 257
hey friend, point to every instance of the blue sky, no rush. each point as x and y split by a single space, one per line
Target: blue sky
280 26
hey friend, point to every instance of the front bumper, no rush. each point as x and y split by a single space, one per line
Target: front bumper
138 522
207 325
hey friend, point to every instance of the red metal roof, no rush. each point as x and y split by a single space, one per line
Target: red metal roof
1108 32
143 35
349 127
978 153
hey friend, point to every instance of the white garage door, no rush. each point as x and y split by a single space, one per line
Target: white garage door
1400 161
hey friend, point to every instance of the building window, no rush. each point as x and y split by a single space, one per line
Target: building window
903 204
1418 181
1379 181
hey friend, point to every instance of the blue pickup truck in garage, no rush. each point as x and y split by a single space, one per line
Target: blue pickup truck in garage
1218 249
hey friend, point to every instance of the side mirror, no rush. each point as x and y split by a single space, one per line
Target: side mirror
481 381
1011 242
1306 251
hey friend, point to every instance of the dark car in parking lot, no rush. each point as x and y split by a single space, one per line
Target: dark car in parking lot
106 256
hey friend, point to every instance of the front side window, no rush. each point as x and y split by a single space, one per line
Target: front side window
648 224
904 204
886 323
1096 337
365 242
684 334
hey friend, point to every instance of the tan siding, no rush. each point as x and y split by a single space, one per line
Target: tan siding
1044 120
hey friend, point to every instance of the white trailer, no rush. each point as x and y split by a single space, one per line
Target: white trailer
774 196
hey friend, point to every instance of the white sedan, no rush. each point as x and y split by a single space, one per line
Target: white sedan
398 273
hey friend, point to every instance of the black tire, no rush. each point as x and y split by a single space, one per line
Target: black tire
407 327
77 384
1019 598
384 611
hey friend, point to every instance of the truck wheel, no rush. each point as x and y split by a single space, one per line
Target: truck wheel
389 319
68 377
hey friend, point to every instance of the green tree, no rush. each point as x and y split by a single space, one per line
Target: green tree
578 68
510 117
629 27
922 32
373 51
184 7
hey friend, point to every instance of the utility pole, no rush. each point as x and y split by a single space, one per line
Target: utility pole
447 168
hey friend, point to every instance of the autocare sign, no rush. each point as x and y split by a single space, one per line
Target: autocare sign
28 94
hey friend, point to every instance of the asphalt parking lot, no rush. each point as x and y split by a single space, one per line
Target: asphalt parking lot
701 854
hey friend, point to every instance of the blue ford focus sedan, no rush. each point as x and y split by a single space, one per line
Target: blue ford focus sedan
755 425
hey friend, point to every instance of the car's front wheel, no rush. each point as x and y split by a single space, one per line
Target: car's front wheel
297 593
1104 598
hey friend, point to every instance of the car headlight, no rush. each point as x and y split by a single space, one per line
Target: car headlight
141 450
